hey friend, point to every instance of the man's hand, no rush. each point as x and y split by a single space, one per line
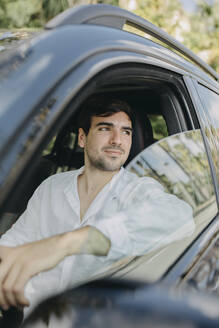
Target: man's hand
19 264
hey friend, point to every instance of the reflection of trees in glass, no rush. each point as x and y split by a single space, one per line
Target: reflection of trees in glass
200 163
214 147
157 176
196 166
142 168
193 169
182 157
192 180
210 101
213 136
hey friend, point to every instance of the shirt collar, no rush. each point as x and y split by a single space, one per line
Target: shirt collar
110 183
116 177
76 173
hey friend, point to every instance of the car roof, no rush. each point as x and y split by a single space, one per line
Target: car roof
107 15
41 62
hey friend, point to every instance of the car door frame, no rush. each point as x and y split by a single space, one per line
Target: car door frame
184 268
185 260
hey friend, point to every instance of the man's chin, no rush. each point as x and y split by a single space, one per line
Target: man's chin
110 166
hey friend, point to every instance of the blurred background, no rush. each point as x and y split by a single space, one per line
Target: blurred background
195 23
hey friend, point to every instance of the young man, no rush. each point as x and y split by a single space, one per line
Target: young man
80 221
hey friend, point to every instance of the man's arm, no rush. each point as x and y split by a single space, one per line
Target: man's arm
19 264
146 222
149 219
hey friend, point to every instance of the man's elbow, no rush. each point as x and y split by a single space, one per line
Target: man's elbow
98 243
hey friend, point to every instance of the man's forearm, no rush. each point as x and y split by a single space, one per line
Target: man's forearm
86 240
19 264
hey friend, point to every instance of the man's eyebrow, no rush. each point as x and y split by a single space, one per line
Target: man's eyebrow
127 128
105 123
111 124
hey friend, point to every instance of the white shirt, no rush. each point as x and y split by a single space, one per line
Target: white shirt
134 213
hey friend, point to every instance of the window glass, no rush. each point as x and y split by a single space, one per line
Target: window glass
159 126
180 164
210 101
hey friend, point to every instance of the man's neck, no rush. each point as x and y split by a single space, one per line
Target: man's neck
93 180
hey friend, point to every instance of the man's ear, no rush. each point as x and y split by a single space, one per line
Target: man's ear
81 138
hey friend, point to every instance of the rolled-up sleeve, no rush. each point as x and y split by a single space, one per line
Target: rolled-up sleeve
147 223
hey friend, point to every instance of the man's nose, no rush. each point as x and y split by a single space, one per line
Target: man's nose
115 138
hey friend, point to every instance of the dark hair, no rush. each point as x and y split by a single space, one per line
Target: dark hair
101 106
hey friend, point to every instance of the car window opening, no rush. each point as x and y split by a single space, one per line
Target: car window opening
157 113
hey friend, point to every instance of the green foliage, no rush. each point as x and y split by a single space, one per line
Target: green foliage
204 32
109 2
199 31
19 13
51 8
163 13
29 13
35 13
159 126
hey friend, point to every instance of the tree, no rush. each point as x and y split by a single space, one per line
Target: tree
204 35
167 14
51 8
29 13
19 13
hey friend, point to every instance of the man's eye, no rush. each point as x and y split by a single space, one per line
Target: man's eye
127 132
104 128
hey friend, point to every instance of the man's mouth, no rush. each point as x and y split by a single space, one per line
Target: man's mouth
114 151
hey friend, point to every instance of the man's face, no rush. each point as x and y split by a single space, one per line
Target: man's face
108 142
